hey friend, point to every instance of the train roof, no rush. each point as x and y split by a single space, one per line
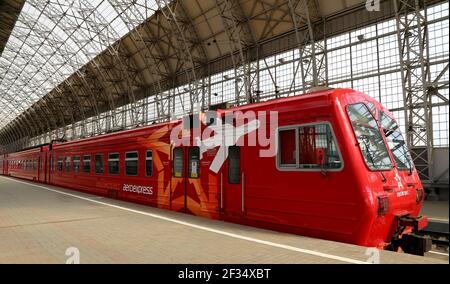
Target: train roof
284 100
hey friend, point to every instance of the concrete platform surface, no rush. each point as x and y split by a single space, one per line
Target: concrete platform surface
437 210
41 223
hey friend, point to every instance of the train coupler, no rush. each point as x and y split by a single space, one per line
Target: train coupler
417 223
414 243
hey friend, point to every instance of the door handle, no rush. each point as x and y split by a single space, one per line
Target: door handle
221 190
243 192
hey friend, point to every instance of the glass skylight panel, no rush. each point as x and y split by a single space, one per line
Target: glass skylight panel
53 39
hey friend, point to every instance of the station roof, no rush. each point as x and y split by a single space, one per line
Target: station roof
67 60
9 12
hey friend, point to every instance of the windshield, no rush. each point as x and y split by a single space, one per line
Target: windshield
396 142
369 137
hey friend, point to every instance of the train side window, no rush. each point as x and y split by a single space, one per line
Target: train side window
76 164
287 154
178 162
308 147
131 163
149 163
234 164
99 167
68 164
318 148
194 162
87 163
113 163
60 163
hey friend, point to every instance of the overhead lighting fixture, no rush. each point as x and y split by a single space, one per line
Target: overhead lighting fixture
281 60
226 77
360 37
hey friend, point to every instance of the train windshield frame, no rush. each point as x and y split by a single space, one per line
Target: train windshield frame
396 142
370 139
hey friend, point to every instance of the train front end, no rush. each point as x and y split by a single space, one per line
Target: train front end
393 191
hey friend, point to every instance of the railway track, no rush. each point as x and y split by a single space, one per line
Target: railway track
437 230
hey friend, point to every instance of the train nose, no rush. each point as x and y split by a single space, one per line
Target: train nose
404 197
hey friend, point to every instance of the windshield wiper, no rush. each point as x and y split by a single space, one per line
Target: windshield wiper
366 145
409 159
400 144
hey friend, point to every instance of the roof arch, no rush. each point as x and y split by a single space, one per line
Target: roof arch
84 58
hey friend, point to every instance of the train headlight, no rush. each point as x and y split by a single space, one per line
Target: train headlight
383 205
419 195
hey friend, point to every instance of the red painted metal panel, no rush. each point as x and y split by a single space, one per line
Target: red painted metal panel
340 205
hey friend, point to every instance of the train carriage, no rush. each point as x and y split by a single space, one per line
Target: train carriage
330 164
3 166
26 164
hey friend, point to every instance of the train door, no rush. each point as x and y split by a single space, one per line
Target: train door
49 166
6 166
233 180
185 178
39 168
42 167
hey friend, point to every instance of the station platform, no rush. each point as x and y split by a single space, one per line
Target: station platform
436 210
39 223
438 225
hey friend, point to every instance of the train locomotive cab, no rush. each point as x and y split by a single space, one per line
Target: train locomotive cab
394 193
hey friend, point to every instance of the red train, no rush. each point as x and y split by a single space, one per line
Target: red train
330 164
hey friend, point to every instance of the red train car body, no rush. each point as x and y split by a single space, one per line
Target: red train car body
339 170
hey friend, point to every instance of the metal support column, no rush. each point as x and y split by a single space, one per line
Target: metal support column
415 72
